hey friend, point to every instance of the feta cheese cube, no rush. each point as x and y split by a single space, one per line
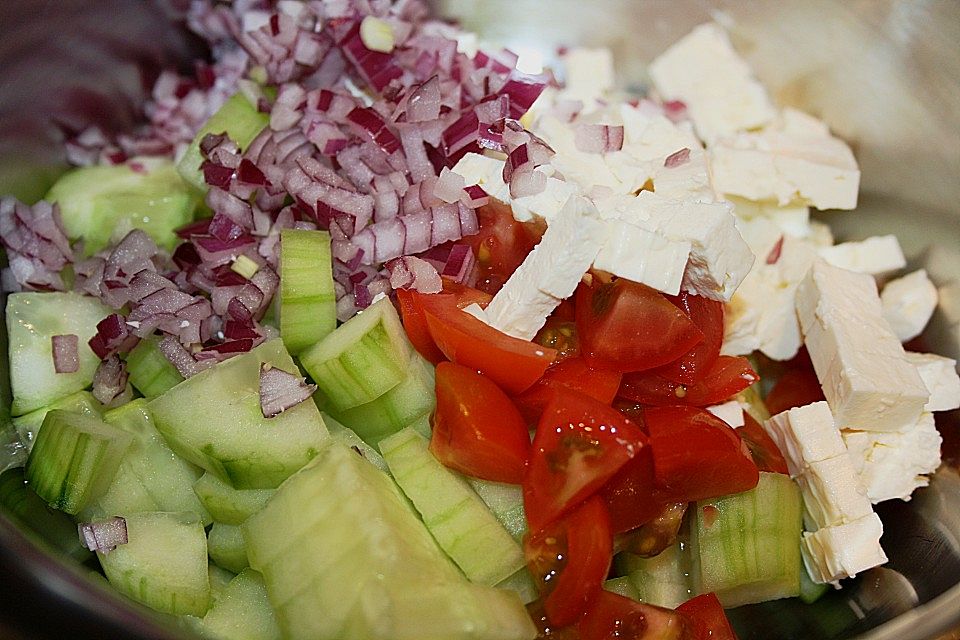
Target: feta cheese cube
843 551
832 493
589 75
939 375
792 219
908 304
730 412
805 435
877 255
893 465
640 255
587 170
718 87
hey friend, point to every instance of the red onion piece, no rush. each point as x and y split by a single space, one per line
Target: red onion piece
774 256
449 186
677 158
598 138
110 380
410 272
424 103
104 536
66 356
280 390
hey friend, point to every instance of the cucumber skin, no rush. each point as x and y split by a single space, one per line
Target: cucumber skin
150 371
308 305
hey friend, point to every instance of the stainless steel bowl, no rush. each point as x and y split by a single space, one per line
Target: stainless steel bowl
884 73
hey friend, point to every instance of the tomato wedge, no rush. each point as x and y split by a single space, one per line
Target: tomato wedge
696 456
477 430
512 363
764 450
708 617
631 495
415 323
627 326
707 315
728 375
572 373
579 445
614 617
500 245
570 559
795 388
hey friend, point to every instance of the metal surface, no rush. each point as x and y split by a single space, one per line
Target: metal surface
884 74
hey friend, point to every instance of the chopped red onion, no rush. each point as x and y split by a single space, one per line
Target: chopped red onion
36 243
175 352
410 272
598 138
675 110
110 379
527 183
774 256
104 536
476 196
280 390
424 102
66 356
449 186
677 158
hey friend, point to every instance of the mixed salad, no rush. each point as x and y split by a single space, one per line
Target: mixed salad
366 333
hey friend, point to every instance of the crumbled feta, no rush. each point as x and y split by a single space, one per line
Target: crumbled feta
703 70
833 553
791 219
908 304
643 256
877 255
730 412
805 435
589 75
832 493
939 375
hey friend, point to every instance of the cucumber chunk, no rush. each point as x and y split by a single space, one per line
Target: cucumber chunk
33 318
811 591
151 477
663 580
239 119
234 440
151 373
101 204
622 586
242 611
226 547
522 584
343 557
164 563
308 304
457 518
348 437
29 424
746 547
74 459
219 579
361 360
226 504
506 503
399 407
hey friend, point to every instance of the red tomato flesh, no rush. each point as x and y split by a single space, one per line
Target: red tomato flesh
729 375
614 617
501 245
707 315
579 445
795 388
415 322
696 455
631 495
627 326
570 560
709 620
572 373
477 430
764 450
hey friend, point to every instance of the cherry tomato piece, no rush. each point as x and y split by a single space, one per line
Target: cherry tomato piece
572 373
500 245
708 618
614 617
415 323
707 315
764 450
728 375
795 388
631 495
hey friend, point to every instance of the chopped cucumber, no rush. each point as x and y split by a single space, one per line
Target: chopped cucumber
74 459
101 204
226 547
308 305
343 557
54 527
756 407
29 424
522 584
33 318
399 407
242 611
239 119
151 477
226 504
455 515
151 373
506 503
622 586
811 591
746 547
219 579
234 440
164 563
361 360
663 580
348 437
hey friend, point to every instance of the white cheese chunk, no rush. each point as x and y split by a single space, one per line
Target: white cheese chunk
550 272
589 75
834 553
730 412
792 219
643 256
892 465
909 303
939 375
866 378
718 87
787 162
832 493
877 255
587 170
805 435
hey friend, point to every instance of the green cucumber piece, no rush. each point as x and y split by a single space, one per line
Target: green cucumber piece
348 437
74 459
101 204
308 304
455 515
234 440
522 584
746 547
29 424
164 563
343 557
663 580
226 504
242 611
151 373
239 119
811 591
622 586
361 360
151 477
53 527
219 579
226 547
33 318
399 407
506 503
